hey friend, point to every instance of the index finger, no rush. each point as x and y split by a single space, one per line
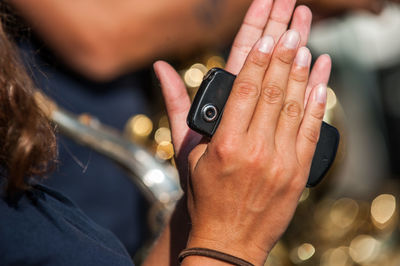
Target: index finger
266 17
280 18
250 31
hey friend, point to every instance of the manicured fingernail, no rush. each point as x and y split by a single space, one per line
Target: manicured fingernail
320 94
266 44
291 39
303 57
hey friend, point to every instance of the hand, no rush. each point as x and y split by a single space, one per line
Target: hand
264 17
246 182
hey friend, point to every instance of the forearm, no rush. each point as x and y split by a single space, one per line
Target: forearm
106 38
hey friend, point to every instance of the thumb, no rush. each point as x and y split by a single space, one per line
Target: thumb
176 100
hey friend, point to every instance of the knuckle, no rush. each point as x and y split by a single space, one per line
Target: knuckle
284 57
255 157
318 113
299 75
293 109
243 49
272 93
245 89
259 59
224 151
298 183
278 173
311 133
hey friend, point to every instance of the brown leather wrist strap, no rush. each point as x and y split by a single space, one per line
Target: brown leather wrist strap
210 253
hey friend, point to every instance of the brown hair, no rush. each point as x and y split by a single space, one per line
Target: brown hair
27 141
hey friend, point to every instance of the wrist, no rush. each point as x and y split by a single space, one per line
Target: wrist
203 261
245 251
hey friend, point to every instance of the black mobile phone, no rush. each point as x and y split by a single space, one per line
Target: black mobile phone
208 106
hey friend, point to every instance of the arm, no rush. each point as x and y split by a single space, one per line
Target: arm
105 38
216 228
326 8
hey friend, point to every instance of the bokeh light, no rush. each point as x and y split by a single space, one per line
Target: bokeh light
364 248
383 208
139 126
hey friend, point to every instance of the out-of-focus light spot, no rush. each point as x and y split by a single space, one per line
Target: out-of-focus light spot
344 212
305 251
336 257
383 208
330 105
194 75
302 253
305 195
165 150
164 197
215 61
139 126
162 134
331 99
153 177
200 67
364 248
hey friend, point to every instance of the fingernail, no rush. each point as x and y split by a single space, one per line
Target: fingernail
291 39
303 57
266 44
320 94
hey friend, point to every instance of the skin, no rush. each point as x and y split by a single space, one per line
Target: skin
104 39
107 38
325 8
244 184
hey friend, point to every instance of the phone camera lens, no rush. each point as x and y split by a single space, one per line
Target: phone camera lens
209 112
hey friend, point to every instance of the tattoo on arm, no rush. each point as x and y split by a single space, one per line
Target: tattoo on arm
209 11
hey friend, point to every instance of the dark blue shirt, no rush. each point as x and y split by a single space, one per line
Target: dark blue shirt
45 228
95 183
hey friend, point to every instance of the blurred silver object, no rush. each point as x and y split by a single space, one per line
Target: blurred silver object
158 181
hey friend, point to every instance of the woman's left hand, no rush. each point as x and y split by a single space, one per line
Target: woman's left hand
264 17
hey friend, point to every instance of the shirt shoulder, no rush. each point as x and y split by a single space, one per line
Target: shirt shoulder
46 228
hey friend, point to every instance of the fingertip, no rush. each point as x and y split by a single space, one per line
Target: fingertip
166 73
302 18
161 65
322 69
156 63
326 57
304 12
158 67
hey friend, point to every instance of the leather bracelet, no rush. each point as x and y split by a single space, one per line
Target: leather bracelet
214 254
